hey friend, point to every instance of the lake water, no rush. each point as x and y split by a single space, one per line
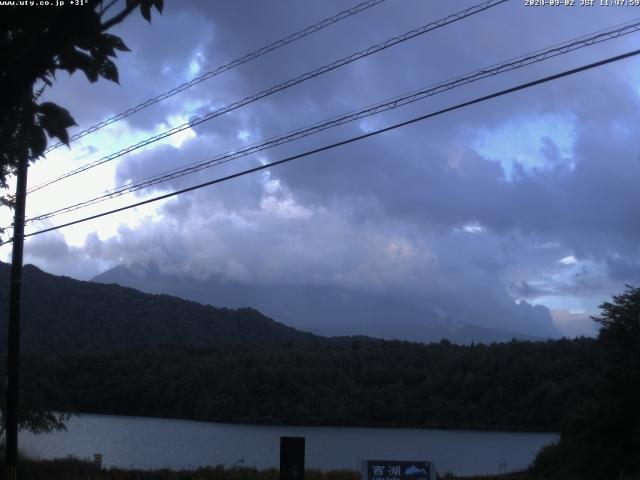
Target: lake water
177 444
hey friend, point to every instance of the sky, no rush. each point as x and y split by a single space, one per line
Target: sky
518 213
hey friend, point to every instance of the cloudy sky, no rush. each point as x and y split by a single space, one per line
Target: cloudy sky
527 200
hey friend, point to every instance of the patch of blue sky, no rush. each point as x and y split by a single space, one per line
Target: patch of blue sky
587 305
576 285
524 142
195 65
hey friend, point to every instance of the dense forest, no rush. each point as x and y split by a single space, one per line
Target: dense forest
107 349
518 385
63 315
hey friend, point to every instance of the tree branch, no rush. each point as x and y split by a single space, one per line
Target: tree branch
120 16
103 10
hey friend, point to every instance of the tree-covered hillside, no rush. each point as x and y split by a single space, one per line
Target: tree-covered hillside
110 349
60 314
517 385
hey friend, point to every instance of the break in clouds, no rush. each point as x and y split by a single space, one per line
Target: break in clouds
519 213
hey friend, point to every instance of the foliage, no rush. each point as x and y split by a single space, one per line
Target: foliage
237 365
35 43
503 476
61 314
36 395
601 438
73 469
511 386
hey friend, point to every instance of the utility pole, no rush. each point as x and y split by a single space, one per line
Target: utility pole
13 350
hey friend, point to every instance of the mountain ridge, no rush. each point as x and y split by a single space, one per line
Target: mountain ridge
61 314
322 310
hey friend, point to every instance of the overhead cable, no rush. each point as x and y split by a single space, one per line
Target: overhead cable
386 105
344 142
283 86
361 7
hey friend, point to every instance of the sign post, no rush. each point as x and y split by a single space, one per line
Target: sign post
291 458
397 470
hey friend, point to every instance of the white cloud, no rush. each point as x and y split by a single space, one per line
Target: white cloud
568 260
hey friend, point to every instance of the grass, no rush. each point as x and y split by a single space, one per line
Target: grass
76 469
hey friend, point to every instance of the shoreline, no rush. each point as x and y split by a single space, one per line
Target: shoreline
149 442
465 429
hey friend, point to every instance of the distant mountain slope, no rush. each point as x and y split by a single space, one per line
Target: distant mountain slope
61 314
322 310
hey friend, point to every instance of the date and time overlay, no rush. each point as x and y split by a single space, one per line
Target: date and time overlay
526 3
581 3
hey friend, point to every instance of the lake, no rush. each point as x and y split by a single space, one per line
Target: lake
177 444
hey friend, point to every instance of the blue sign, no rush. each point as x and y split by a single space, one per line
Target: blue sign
398 470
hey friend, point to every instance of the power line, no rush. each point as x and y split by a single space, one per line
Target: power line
347 141
283 86
361 7
525 60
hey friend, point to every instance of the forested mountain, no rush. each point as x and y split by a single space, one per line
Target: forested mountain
110 349
323 310
60 314
515 385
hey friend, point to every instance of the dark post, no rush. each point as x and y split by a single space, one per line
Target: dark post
13 351
291 458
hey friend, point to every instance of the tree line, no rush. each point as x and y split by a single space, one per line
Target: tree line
587 389
510 386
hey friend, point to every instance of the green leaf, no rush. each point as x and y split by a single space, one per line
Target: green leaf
145 10
55 120
159 5
72 60
37 142
56 113
102 48
109 71
85 42
67 60
116 42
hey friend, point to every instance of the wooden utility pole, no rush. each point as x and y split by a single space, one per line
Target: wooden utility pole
13 350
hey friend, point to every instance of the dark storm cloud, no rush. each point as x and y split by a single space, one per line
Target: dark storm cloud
624 269
524 290
419 212
242 193
159 60
51 253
